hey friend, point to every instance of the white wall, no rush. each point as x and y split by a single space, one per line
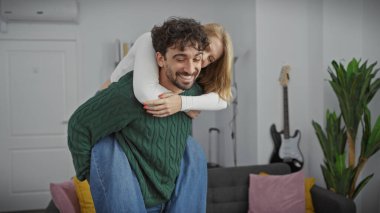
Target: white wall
317 74
371 43
342 37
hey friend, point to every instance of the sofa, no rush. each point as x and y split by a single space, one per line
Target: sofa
228 191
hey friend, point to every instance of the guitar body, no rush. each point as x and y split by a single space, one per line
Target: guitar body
290 151
287 149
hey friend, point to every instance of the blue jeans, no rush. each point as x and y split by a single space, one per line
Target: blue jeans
114 186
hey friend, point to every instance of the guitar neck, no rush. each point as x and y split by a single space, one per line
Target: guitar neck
286 113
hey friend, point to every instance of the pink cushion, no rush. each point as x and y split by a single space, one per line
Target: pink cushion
64 197
277 193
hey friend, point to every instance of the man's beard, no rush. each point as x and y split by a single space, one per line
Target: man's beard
177 79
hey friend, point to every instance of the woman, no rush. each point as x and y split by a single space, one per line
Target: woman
216 64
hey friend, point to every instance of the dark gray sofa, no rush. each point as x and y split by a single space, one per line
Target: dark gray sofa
228 191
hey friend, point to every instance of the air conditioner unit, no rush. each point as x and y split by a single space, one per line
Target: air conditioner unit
39 10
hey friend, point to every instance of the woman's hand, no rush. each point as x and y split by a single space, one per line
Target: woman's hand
168 104
193 113
105 85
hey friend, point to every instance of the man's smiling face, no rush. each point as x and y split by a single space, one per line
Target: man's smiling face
181 67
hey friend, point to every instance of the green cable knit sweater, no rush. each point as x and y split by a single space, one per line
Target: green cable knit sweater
153 146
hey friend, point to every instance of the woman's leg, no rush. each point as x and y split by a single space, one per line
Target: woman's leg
114 186
191 187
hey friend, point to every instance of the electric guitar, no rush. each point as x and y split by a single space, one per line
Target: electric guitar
286 147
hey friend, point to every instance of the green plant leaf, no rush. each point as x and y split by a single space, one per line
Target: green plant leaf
340 164
352 67
329 180
361 185
321 137
343 181
373 144
366 132
375 86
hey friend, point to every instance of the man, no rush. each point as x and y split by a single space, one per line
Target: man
143 163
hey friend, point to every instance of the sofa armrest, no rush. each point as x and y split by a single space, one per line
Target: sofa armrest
325 201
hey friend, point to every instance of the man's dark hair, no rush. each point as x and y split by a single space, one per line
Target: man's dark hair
181 32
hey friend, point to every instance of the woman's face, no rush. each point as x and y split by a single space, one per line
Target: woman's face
213 52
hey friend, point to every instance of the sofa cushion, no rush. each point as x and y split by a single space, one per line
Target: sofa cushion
309 183
277 193
64 197
83 192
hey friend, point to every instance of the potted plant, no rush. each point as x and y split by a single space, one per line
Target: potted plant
354 87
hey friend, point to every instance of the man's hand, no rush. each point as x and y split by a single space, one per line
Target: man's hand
193 113
168 104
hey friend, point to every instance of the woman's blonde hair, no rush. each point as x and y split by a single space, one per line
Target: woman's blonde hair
216 77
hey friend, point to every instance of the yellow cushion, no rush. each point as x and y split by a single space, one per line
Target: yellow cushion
309 182
82 188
